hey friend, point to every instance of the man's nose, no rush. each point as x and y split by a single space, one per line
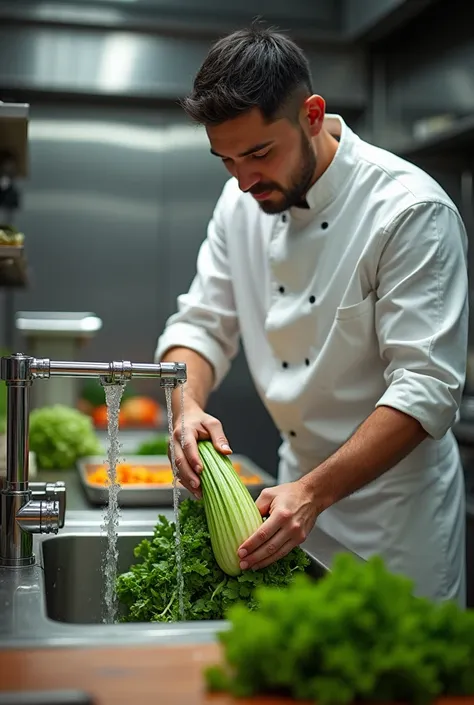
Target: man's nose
247 179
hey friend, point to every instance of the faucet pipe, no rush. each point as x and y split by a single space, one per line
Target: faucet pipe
26 510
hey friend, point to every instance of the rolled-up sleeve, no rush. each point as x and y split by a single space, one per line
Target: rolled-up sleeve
206 320
422 314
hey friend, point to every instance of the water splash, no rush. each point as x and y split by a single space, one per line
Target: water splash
176 496
181 409
113 397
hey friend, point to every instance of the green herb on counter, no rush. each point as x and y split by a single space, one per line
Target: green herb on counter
358 634
60 435
148 591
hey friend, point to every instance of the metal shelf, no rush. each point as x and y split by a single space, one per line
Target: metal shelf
9 252
459 137
14 111
13 267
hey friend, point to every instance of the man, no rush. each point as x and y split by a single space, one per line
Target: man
342 269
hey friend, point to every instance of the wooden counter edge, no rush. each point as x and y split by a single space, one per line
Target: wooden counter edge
141 675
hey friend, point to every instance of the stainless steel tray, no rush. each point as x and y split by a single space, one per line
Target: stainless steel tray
148 495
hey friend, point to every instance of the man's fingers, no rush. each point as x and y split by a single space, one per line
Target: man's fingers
218 438
188 444
284 550
267 550
265 533
264 500
185 447
186 475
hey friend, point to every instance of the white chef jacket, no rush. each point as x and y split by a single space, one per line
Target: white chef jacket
358 301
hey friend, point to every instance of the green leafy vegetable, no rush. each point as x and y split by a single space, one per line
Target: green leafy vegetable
158 445
148 592
358 634
60 435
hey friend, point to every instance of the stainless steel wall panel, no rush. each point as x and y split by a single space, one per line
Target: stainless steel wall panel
92 221
100 62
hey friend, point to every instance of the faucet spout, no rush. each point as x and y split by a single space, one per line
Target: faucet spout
26 510
170 373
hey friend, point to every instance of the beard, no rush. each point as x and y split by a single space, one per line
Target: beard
300 182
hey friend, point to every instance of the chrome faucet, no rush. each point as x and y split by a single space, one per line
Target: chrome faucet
31 508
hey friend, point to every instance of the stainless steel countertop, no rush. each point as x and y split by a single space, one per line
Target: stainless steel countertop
76 498
23 618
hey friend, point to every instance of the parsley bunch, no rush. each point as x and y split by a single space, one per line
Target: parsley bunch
358 634
148 591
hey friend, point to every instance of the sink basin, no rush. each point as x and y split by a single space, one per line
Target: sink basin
73 574
57 603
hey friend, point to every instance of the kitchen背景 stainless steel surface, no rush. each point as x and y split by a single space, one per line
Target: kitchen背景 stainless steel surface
24 620
147 495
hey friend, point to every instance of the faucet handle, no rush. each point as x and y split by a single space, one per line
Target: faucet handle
56 491
39 516
51 492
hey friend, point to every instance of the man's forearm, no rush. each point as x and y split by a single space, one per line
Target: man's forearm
383 440
200 377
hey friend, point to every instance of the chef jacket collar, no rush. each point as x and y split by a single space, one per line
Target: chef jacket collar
329 184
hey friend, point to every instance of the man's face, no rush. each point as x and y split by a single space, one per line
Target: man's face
274 162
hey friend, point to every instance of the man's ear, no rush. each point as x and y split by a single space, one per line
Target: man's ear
315 109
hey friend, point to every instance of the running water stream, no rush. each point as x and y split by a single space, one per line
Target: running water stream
176 494
113 397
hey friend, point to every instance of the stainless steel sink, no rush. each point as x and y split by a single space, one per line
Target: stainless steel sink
57 602
73 574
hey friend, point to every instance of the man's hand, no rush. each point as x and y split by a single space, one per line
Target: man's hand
292 512
198 426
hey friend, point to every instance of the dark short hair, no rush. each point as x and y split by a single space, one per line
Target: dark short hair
255 67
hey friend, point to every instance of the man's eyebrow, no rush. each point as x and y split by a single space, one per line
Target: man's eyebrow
252 150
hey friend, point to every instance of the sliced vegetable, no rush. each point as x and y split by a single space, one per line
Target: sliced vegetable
231 512
138 473
129 474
